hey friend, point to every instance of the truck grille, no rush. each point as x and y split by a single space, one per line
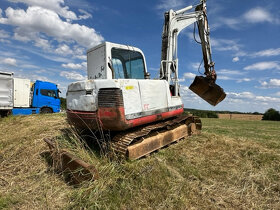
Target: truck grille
110 97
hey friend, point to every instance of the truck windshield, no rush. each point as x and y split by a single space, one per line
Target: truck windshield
50 93
127 64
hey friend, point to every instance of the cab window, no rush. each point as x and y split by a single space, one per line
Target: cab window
50 93
127 64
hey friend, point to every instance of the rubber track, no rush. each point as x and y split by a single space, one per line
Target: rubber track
122 140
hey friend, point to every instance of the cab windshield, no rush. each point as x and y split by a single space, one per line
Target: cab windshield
127 64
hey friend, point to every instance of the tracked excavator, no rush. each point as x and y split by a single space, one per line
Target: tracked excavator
143 114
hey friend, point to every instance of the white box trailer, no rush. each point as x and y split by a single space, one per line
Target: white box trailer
22 93
6 92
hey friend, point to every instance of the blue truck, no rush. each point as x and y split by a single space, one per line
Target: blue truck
22 97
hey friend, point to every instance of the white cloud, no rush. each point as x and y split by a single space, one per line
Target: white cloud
4 34
81 57
170 4
63 49
79 52
254 15
51 56
267 99
242 95
267 53
188 96
222 77
258 15
256 102
263 53
72 75
235 59
244 80
36 20
24 36
10 61
189 75
31 66
263 66
5 41
75 66
272 83
231 22
230 72
54 5
85 15
195 65
277 94
42 43
225 44
222 74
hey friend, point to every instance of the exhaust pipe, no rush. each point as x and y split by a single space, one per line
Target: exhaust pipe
207 90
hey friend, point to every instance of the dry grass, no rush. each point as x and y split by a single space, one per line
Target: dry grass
232 164
25 182
240 116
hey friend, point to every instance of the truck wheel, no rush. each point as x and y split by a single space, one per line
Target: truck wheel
46 110
4 113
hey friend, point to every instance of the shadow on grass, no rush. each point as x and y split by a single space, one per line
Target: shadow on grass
70 154
93 142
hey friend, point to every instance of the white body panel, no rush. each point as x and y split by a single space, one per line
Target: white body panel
21 92
96 65
78 99
139 96
153 94
131 95
6 91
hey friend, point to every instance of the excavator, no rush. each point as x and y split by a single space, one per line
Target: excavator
143 114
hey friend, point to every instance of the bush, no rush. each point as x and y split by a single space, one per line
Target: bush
205 114
63 103
271 114
212 115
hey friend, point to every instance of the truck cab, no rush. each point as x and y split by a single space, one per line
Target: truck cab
45 97
39 97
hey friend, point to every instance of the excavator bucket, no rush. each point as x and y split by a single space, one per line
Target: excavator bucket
207 90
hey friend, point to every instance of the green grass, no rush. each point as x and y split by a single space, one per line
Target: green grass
263 132
232 164
7 201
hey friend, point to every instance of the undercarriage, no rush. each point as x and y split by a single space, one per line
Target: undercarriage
141 141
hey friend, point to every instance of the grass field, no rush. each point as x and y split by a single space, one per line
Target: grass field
232 164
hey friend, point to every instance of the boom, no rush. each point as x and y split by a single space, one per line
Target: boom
175 22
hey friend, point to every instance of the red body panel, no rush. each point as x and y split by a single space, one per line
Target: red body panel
113 118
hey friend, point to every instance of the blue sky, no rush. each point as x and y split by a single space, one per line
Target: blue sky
47 40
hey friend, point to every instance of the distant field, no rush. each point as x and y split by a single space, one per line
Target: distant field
240 116
233 164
